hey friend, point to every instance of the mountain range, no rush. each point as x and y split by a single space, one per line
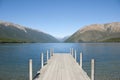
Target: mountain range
109 32
14 33
10 32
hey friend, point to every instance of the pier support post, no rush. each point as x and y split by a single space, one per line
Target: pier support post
72 51
92 69
30 69
81 59
41 60
47 56
51 52
75 56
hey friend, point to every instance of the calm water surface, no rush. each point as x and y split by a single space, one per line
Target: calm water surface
14 58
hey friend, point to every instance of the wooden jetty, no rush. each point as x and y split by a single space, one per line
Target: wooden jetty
62 66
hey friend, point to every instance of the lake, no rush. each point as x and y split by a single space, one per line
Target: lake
14 58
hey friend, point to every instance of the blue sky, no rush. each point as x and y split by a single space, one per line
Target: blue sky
59 17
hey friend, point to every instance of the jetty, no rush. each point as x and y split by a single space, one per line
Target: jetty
61 66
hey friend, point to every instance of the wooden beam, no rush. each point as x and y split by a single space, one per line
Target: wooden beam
92 69
72 51
47 55
30 69
75 56
81 59
41 60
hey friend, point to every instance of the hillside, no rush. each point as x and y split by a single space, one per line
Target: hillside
109 32
10 32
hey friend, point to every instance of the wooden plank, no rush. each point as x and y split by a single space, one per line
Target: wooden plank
62 67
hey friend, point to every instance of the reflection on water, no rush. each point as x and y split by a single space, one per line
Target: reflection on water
14 58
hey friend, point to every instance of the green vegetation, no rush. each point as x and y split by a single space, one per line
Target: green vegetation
112 40
5 40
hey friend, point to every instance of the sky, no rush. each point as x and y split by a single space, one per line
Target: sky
59 18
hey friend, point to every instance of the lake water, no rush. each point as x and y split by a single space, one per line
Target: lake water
14 58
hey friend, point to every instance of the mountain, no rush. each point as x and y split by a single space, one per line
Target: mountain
63 39
109 32
10 32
